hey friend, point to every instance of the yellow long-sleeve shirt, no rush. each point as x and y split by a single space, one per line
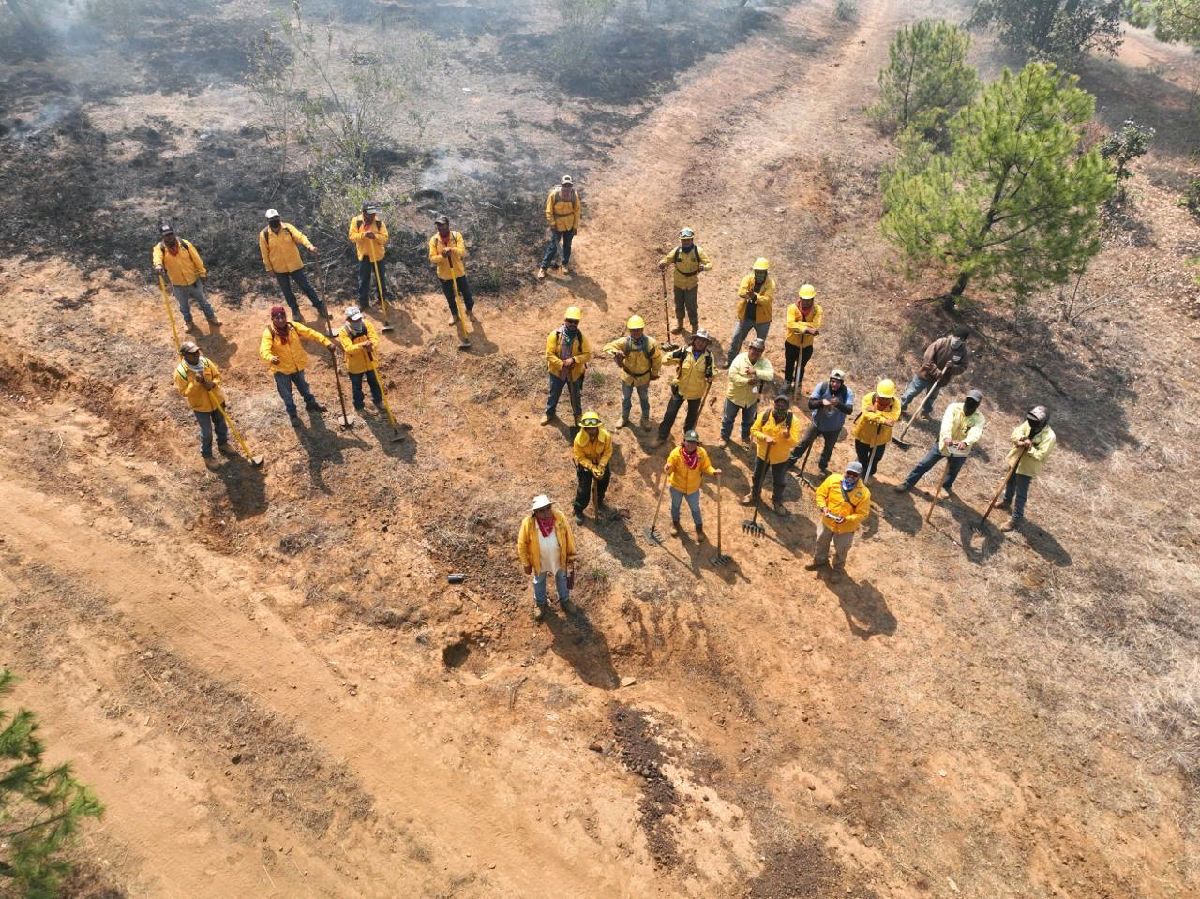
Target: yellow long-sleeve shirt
688 265
763 305
798 321
563 214
183 264
852 507
291 355
199 397
593 454
281 252
786 435
358 360
874 426
528 550
368 248
454 267
580 349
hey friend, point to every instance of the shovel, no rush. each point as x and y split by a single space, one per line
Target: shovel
162 286
460 319
397 437
899 439
387 313
667 347
651 532
254 460
720 559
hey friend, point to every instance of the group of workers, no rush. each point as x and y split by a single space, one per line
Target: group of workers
780 440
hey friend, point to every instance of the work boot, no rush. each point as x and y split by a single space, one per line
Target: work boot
190 326
566 606
538 612
678 329
453 321
701 537
674 528
623 423
814 565
579 516
541 274
779 508
547 418
1013 524
949 491
566 271
210 463
902 488
1005 505
748 499
314 407
214 322
379 410
225 449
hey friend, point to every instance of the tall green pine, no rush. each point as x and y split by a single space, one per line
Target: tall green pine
927 78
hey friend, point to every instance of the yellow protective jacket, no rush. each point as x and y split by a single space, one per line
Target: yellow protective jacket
688 264
580 349
357 360
530 553
1043 443
786 434
458 252
766 298
852 508
592 453
874 426
797 321
562 215
693 374
745 379
183 266
292 357
959 427
187 382
641 362
279 251
368 249
687 480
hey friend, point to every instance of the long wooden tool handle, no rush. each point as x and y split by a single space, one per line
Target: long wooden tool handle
1012 469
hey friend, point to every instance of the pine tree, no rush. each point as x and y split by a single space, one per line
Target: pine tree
1173 20
1014 204
40 808
1052 29
927 78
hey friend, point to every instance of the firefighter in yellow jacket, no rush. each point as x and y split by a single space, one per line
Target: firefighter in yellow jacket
546 546
198 380
592 450
775 433
693 378
447 250
685 468
179 261
369 235
873 427
640 358
1032 443
360 345
563 212
281 348
804 320
844 502
756 298
567 355
279 243
688 260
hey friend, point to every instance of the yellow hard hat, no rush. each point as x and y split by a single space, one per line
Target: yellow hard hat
590 420
761 264
573 313
886 389
635 322
806 292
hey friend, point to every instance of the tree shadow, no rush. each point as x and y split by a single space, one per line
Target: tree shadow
582 646
587 289
867 613
245 487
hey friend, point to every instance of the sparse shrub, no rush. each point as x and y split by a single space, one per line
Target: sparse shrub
1169 716
845 10
1126 144
1191 198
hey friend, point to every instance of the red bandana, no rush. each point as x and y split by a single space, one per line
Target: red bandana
545 526
691 460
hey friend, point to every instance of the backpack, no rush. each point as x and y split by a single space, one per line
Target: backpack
767 415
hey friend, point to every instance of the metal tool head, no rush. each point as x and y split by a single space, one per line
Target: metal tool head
257 461
653 535
752 527
721 560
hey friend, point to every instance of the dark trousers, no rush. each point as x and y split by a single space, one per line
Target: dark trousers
830 438
550 257
210 421
778 471
464 290
356 388
366 270
685 301
283 383
554 389
1016 491
954 465
869 457
583 489
673 405
285 280
791 355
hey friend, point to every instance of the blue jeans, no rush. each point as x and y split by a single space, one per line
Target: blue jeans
283 383
643 393
184 296
366 270
554 394
1016 491
740 330
208 421
914 389
829 439
560 584
954 465
730 416
356 389
551 254
693 501
285 280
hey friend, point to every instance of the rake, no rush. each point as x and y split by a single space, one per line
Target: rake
667 347
720 559
899 439
651 532
751 526
804 464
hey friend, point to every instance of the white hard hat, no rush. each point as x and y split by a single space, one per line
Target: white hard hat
272 213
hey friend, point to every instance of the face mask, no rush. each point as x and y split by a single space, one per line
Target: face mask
969 406
848 484
357 327
571 328
197 366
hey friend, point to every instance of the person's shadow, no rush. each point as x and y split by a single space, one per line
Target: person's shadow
585 288
902 511
245 486
480 344
1045 545
971 532
867 613
217 348
580 645
321 445
381 428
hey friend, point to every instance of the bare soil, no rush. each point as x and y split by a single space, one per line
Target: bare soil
265 674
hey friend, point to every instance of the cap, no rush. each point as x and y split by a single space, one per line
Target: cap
687 233
442 220
782 398
837 373
165 228
189 346
1039 414
854 467
635 322
761 264
540 501
976 395
758 344
573 314
703 335
272 213
806 292
566 179
353 313
690 434
590 420
277 310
